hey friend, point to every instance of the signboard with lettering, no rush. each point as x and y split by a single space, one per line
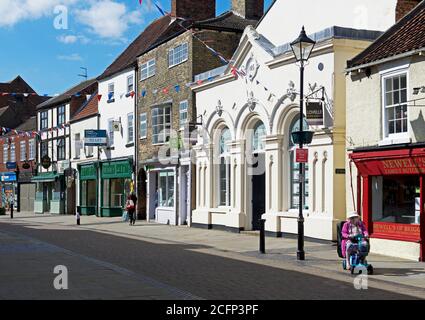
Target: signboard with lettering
10 165
8 177
301 155
407 231
118 169
314 113
95 138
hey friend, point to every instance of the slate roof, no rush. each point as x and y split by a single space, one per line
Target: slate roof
166 28
405 36
129 56
29 125
79 88
89 109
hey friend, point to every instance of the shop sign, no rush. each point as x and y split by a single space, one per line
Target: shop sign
408 231
8 177
88 172
119 169
301 155
46 162
314 113
95 138
11 165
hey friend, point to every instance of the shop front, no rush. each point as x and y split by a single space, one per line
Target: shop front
88 187
391 195
8 185
116 185
50 193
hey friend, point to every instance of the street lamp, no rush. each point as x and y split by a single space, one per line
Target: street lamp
302 48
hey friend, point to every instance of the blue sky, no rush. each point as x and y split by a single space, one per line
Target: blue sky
46 42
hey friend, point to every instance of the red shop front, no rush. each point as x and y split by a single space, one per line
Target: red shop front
391 193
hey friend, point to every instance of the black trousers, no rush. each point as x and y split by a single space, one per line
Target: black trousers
131 216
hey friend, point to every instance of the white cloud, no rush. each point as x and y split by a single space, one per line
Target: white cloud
70 57
70 39
108 19
15 11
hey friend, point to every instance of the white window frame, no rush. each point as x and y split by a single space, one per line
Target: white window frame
172 61
23 150
147 69
77 145
143 121
167 174
166 127
111 84
5 153
111 133
130 82
130 128
384 76
12 152
183 111
44 120
31 149
60 115
224 156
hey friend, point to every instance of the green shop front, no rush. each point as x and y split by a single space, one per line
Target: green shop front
116 185
88 189
50 193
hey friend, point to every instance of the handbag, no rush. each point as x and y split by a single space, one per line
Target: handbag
130 205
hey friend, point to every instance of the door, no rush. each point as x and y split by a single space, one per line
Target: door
258 190
27 197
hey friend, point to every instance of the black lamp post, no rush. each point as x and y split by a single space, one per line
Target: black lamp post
302 48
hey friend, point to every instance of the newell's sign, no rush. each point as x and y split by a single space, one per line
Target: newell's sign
95 138
314 113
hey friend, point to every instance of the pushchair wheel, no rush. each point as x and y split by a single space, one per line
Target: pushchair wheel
352 269
369 269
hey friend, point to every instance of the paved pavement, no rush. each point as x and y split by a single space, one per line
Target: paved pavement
107 259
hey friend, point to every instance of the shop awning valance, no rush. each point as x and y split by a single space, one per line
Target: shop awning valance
45 177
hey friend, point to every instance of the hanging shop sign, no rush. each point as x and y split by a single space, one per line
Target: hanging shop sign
95 138
63 165
46 162
301 155
314 113
26 166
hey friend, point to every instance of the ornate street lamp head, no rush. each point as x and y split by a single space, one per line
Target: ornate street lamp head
302 47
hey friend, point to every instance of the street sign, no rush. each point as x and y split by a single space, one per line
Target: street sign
301 155
95 138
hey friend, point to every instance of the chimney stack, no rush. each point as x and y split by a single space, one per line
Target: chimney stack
404 7
195 10
249 9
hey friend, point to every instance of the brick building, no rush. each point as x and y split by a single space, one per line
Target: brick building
166 104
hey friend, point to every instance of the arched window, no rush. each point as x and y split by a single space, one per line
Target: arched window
258 135
294 169
224 168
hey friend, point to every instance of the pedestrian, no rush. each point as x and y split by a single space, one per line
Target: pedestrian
131 208
351 229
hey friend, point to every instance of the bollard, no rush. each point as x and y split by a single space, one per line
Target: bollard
78 216
11 210
262 236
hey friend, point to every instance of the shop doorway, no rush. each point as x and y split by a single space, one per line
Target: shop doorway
258 179
141 194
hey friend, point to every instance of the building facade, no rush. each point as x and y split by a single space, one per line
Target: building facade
166 105
85 159
386 136
55 191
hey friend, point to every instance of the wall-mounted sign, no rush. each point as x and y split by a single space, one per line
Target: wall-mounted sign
95 138
46 162
314 113
339 171
301 155
11 165
8 177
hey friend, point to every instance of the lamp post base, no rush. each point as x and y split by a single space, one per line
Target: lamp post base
300 255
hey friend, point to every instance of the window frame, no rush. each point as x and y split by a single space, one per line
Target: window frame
46 144
164 124
391 74
130 135
111 133
31 149
150 67
167 174
171 55
145 122
109 91
60 115
224 161
5 152
130 77
77 150
186 120
12 153
61 148
44 120
23 157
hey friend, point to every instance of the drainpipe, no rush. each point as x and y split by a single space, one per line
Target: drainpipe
136 138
